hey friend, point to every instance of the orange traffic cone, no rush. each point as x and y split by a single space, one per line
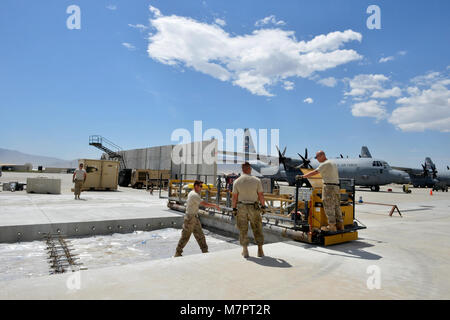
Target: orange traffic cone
431 192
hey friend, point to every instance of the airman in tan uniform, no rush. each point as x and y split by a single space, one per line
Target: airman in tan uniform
78 178
330 193
192 222
247 191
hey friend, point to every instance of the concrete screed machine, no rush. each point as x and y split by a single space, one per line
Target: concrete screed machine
298 216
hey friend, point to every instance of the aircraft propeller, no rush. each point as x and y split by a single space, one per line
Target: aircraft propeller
282 157
306 162
433 170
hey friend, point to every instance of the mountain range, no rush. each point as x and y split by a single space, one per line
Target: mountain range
15 157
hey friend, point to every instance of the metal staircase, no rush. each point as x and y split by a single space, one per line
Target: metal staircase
110 148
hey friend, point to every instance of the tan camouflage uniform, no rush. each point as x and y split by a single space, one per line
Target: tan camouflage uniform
331 203
248 209
248 213
192 224
79 175
78 185
331 197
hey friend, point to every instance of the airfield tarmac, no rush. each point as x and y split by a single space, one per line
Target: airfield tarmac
409 255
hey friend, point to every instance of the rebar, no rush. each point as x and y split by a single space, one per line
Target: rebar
60 256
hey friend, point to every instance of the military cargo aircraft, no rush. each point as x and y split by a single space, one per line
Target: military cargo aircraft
428 176
365 170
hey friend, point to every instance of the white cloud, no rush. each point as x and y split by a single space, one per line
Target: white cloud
426 79
269 20
253 61
220 22
138 26
155 11
129 46
402 53
111 7
288 85
365 84
388 93
308 100
424 106
328 82
427 109
413 91
386 59
371 108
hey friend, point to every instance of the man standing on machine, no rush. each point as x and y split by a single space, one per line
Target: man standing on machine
330 193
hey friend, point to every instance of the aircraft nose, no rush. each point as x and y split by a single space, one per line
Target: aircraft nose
404 177
401 177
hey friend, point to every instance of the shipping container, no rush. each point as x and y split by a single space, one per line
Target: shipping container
101 174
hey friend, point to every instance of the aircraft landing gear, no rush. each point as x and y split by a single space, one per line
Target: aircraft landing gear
375 188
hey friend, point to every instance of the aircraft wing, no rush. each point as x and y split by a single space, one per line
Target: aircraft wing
271 160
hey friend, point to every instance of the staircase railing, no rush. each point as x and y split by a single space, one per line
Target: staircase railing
109 147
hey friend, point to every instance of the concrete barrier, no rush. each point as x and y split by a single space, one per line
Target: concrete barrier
43 185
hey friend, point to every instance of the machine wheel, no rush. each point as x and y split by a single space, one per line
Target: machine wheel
375 188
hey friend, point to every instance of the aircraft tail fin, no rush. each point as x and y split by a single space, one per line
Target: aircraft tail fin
429 168
365 153
429 164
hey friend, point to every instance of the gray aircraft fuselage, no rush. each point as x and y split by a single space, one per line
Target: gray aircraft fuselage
444 177
367 172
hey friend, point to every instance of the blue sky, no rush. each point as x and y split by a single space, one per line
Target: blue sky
389 90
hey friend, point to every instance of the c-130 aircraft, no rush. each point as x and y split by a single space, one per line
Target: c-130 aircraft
365 170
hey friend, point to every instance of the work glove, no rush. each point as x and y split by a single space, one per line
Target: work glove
298 177
264 210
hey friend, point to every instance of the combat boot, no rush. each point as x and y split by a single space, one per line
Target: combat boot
260 251
340 226
330 227
245 252
178 254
